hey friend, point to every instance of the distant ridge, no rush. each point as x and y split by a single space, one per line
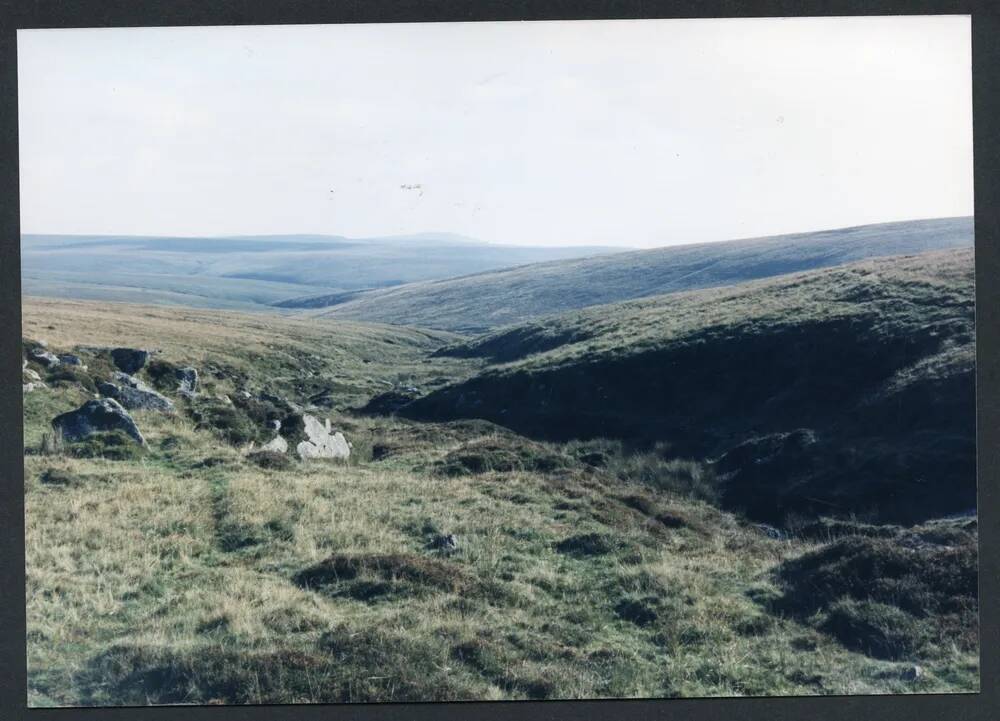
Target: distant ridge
257 271
487 300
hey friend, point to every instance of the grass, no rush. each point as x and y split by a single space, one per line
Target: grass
196 572
488 301
807 393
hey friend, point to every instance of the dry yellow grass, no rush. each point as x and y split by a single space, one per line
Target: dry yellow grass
163 580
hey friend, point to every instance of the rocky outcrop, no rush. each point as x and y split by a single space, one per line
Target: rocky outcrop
129 360
43 357
322 443
98 416
135 395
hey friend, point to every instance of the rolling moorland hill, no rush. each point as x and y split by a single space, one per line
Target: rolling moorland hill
849 389
255 272
192 570
481 302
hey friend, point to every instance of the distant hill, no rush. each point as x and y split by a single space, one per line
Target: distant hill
849 389
488 300
255 272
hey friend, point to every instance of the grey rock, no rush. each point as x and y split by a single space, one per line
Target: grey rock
135 395
446 543
187 380
322 443
29 387
71 360
31 375
913 673
129 360
45 358
274 425
96 417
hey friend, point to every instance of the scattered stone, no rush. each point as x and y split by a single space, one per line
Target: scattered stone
129 360
187 379
71 360
446 543
277 444
134 395
96 417
45 358
322 443
912 673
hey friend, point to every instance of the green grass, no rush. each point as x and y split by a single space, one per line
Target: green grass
196 573
847 390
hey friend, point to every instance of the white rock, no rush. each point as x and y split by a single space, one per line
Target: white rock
278 444
322 443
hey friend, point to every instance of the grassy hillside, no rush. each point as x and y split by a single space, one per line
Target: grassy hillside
481 302
252 272
850 389
191 572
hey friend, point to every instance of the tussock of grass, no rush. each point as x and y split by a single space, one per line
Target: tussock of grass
272 460
889 597
500 454
392 567
112 445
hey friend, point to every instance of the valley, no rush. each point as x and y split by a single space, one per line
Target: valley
730 491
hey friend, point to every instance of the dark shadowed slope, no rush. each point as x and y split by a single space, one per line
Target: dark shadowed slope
254 272
481 302
849 389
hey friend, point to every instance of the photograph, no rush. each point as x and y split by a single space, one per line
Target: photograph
498 361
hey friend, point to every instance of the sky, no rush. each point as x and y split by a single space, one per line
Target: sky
636 133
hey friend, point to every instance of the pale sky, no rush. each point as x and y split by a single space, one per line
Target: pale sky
635 132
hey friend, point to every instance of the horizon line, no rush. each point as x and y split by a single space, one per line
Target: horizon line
250 236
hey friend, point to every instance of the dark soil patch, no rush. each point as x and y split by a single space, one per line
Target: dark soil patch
641 612
58 477
271 460
587 544
409 568
111 445
500 455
